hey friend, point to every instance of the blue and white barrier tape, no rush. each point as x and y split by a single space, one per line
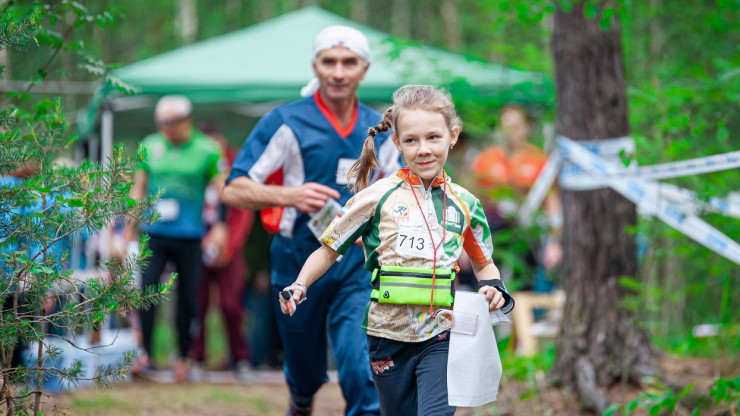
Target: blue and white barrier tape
645 193
592 165
539 189
571 175
576 179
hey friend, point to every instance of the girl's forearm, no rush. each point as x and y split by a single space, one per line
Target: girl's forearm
316 265
486 271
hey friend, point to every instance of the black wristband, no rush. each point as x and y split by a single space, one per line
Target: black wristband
499 285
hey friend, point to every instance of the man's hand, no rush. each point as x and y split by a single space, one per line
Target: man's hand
494 298
312 196
217 236
245 193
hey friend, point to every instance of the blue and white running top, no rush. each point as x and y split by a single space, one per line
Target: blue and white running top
302 141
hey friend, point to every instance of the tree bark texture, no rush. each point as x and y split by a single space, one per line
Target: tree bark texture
453 29
592 105
401 18
359 11
187 21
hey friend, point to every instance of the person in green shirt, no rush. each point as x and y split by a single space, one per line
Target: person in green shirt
182 162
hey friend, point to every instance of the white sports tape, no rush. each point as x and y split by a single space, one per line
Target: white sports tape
646 194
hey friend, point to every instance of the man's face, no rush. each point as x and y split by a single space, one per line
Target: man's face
339 72
176 128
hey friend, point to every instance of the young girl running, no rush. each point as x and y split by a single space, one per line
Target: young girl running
414 226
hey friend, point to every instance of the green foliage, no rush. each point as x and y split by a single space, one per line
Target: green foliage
726 392
526 369
683 91
724 395
50 26
683 98
47 207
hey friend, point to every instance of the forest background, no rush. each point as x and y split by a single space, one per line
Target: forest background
683 78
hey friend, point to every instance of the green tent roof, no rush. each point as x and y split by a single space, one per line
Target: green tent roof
270 61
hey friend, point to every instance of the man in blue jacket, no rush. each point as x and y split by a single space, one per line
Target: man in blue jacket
293 167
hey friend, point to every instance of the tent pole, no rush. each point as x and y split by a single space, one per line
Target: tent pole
106 154
106 134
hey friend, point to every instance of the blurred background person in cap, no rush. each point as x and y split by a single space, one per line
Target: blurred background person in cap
182 162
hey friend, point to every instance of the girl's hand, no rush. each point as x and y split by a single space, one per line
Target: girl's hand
494 298
299 295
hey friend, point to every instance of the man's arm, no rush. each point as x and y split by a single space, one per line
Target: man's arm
218 182
245 193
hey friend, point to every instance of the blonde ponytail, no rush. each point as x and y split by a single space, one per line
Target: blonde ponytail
364 166
408 97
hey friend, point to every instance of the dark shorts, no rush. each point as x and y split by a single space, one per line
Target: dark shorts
411 377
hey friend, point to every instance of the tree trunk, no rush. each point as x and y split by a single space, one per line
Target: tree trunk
233 11
453 28
656 37
5 60
266 9
600 342
401 18
187 21
359 11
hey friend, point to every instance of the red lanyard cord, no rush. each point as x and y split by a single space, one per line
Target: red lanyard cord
431 237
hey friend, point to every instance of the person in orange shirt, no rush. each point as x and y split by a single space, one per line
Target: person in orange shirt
506 172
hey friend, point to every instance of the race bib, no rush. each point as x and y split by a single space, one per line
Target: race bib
168 209
415 241
321 219
343 168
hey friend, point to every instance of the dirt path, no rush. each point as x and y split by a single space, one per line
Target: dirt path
223 395
267 396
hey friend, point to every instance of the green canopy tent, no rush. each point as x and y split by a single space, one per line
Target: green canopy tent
236 77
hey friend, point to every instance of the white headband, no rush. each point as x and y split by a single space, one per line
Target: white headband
346 36
333 36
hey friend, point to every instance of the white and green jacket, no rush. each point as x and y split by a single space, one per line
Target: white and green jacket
396 236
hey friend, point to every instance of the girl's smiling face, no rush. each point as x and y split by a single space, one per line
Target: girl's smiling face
424 139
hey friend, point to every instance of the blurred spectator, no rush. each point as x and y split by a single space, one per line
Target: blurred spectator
32 246
224 270
182 162
11 245
505 173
